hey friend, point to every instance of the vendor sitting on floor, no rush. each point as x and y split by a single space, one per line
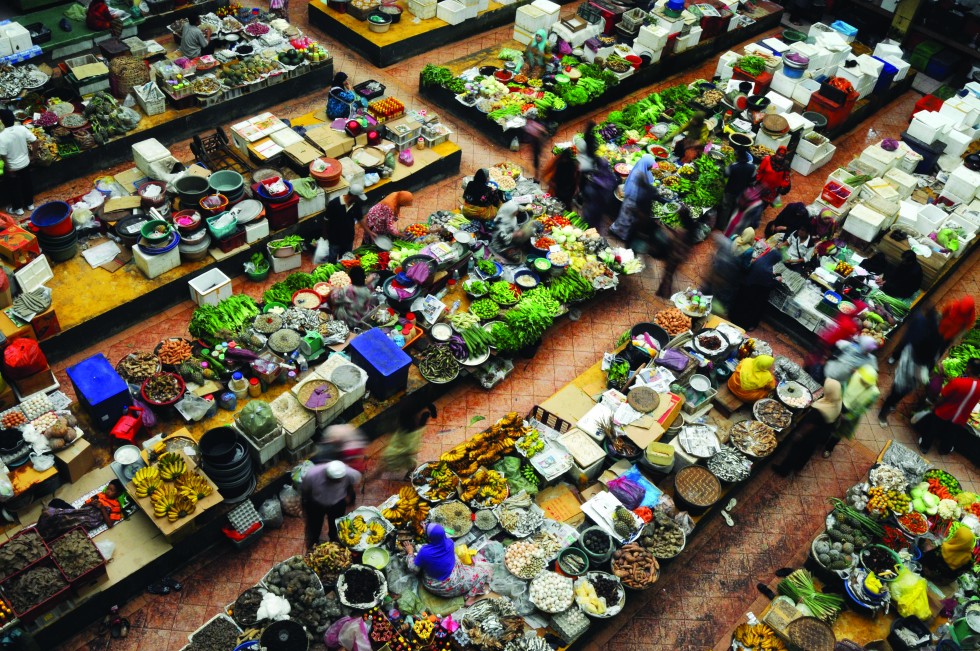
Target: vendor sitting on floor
99 17
752 379
481 199
442 573
952 557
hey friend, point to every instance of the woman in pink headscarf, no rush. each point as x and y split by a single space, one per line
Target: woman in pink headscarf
748 211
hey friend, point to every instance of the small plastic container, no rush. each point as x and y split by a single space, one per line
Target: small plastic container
254 388
238 385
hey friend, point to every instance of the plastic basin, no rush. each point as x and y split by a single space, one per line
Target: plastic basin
53 218
191 188
226 182
218 444
155 230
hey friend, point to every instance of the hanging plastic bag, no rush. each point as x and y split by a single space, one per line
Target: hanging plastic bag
300 471
106 548
322 251
354 636
290 501
271 513
910 594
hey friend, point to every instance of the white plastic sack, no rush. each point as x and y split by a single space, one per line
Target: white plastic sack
106 548
42 462
273 607
322 251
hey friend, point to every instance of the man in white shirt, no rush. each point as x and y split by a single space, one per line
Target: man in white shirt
14 139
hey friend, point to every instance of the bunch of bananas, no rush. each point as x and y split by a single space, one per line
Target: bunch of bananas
350 530
171 466
486 485
487 447
881 501
758 637
442 481
163 499
410 512
147 481
376 532
181 508
193 485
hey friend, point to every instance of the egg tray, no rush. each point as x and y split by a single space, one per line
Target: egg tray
243 516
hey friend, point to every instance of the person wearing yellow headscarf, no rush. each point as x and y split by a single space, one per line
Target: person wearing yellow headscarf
860 392
752 379
952 557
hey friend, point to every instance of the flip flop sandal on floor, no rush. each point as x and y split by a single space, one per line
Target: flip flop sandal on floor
158 588
172 583
119 628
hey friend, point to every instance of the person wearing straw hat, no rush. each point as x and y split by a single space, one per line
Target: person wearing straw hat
326 491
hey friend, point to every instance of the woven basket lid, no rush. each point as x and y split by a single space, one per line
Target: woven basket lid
643 399
305 391
697 486
775 124
811 634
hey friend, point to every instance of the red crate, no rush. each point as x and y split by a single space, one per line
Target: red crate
24 532
231 242
835 194
39 609
86 577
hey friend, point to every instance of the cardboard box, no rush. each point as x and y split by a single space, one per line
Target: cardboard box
46 324
7 398
74 462
333 143
560 504
18 246
12 331
303 153
33 383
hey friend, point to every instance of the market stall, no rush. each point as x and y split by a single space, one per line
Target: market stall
267 61
396 34
498 80
865 580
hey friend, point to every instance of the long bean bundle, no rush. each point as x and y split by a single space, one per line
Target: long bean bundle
799 587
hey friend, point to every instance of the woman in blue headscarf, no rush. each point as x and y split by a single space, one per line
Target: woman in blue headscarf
638 197
536 52
442 573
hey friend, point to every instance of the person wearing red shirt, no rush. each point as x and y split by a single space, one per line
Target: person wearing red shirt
98 17
774 176
952 411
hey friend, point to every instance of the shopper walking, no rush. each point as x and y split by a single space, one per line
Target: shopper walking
915 356
14 148
340 219
682 240
748 211
815 428
955 318
400 454
850 355
537 136
946 423
597 180
326 492
753 293
860 393
774 176
561 176
638 197
739 176
342 442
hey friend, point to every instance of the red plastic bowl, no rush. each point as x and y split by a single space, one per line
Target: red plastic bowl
181 387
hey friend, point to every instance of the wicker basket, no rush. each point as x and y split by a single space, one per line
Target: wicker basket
697 488
305 391
126 72
812 634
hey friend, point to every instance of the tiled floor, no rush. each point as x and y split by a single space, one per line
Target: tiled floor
699 598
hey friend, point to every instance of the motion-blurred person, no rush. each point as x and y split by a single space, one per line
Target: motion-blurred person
682 240
815 428
560 177
956 317
638 197
860 393
537 136
849 355
695 138
774 176
341 443
597 181
739 176
915 355
789 219
946 423
400 454
748 211
752 298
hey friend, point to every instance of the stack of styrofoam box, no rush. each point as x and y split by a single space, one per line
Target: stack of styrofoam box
451 11
909 158
929 218
833 43
776 45
783 85
671 24
865 223
811 156
551 11
724 68
528 20
652 37
962 183
879 195
908 214
578 39
798 123
347 397
903 182
470 8
818 56
872 69
689 40
927 126
878 159
860 77
893 53
763 139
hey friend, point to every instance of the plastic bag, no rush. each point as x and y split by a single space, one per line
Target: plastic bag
256 419
410 604
6 486
910 594
626 491
322 251
193 408
651 494
290 501
273 607
300 471
106 548
510 468
22 358
42 462
684 521
354 636
271 513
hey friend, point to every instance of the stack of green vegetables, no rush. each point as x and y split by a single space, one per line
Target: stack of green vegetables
282 291
228 316
799 587
969 348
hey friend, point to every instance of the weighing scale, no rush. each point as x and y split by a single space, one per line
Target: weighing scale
311 346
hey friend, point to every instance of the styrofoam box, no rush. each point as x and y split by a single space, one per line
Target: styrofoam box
482 5
725 62
210 288
148 151
871 65
5 49
154 265
576 39
672 25
929 218
781 101
803 166
551 10
784 85
689 40
655 37
451 12
654 55
968 220
813 151
879 195
908 214
255 231
314 206
963 182
299 430
530 18
806 87
524 36
888 48
764 139
962 112
902 65
19 37
285 264
926 126
864 223
956 142
798 123
903 182
470 11
877 159
819 57
838 213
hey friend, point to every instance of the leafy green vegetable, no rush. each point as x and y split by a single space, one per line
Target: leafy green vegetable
753 65
228 316
433 75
